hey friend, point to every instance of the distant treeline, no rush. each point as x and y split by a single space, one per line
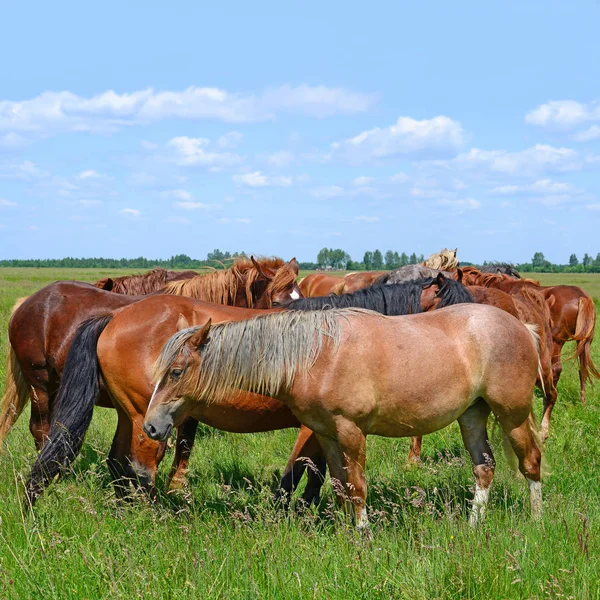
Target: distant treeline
328 258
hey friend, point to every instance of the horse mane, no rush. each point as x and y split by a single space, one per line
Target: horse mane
139 285
477 277
221 287
445 260
408 273
285 276
259 355
454 292
503 268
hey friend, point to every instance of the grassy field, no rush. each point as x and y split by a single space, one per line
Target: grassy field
223 538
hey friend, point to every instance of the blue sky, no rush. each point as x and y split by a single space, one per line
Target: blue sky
153 129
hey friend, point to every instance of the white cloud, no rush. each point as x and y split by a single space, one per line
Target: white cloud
54 112
400 177
178 194
593 133
360 181
24 170
564 114
440 135
541 186
130 212
230 139
7 203
89 174
143 179
12 141
194 151
532 161
88 203
327 191
593 206
244 221
280 159
258 179
460 205
186 205
366 219
179 220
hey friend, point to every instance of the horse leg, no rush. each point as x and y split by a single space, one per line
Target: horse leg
414 454
474 434
523 441
118 457
346 457
550 397
186 434
306 456
556 361
39 421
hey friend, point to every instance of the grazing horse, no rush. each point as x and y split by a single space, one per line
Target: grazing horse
573 317
140 285
43 326
110 349
338 371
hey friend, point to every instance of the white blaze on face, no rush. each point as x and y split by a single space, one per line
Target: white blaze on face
295 295
153 394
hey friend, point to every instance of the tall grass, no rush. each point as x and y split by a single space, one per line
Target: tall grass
225 538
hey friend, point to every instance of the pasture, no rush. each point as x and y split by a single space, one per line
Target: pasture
224 538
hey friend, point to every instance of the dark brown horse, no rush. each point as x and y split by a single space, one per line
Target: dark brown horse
140 285
573 317
43 326
120 350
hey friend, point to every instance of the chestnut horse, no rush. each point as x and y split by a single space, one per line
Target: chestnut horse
338 371
140 285
573 318
43 326
105 341
318 284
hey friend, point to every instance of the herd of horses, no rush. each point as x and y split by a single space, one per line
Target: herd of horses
401 353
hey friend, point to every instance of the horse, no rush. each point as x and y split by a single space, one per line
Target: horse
338 371
445 260
531 309
108 349
318 284
410 273
140 285
501 268
573 317
43 326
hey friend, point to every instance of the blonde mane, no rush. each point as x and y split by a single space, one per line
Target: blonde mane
261 355
445 260
221 287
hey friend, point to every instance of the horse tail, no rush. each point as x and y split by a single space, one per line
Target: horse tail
584 334
533 330
16 391
510 455
73 408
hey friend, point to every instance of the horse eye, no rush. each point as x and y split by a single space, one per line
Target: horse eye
176 373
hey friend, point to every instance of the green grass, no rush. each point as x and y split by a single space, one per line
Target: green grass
223 538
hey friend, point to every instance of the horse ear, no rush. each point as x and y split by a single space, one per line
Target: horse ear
199 337
440 280
551 300
182 322
108 285
459 275
262 271
293 264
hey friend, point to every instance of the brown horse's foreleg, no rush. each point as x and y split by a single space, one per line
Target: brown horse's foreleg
306 456
550 397
414 454
474 434
556 361
346 457
186 434
118 457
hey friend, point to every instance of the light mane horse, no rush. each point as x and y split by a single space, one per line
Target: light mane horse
338 371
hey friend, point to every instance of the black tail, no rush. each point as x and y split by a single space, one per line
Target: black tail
73 407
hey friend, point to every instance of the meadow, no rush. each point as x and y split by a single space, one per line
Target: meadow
223 537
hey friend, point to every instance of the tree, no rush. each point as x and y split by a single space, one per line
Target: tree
587 260
216 254
368 260
413 259
538 260
377 260
390 260
573 262
403 259
324 258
